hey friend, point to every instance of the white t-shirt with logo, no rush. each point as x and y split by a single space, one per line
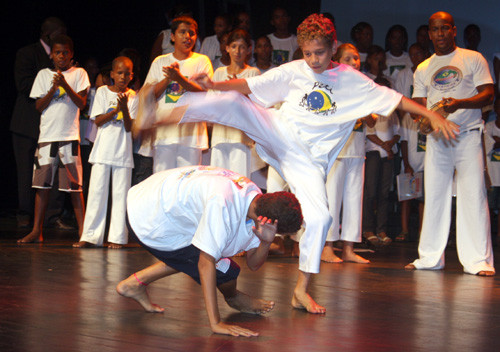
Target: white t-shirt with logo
319 111
283 48
191 135
113 145
60 120
200 205
395 64
455 75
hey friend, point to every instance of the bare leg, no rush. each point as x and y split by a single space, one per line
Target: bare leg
405 217
421 206
328 254
79 208
349 256
41 201
135 285
243 302
301 300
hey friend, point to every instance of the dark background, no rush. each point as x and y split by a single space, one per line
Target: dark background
101 29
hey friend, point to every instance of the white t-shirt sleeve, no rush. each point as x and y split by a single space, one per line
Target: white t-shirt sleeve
481 71
419 86
99 106
133 104
83 82
154 73
206 66
41 85
383 100
214 230
270 88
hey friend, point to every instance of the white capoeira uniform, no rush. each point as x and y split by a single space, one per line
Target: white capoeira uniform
455 75
302 139
344 187
111 158
177 146
231 148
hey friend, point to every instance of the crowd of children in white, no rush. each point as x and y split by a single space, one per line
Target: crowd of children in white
452 81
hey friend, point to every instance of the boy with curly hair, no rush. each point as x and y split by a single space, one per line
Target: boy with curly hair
321 102
197 217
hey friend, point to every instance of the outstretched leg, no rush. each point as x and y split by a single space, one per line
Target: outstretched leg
301 299
243 302
135 285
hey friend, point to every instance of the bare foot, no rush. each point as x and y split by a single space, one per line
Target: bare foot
112 245
410 267
486 273
304 301
247 304
278 246
131 288
354 258
295 250
83 244
329 256
32 237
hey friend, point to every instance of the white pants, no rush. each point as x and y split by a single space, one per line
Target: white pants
171 156
97 204
473 222
305 176
344 187
236 157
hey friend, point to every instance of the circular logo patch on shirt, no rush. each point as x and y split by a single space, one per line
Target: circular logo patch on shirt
319 101
59 93
118 116
446 78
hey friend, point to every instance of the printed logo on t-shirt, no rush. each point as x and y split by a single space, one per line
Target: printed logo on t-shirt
173 92
446 78
118 116
396 68
421 142
319 100
495 155
280 56
59 93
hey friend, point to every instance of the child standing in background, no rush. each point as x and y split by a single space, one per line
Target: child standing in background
344 184
231 148
60 95
113 110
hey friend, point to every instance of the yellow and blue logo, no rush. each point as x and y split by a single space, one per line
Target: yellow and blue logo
60 93
118 116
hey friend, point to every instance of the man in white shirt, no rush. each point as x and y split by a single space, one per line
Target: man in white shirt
456 81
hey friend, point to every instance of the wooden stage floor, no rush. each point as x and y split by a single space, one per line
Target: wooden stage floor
56 298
